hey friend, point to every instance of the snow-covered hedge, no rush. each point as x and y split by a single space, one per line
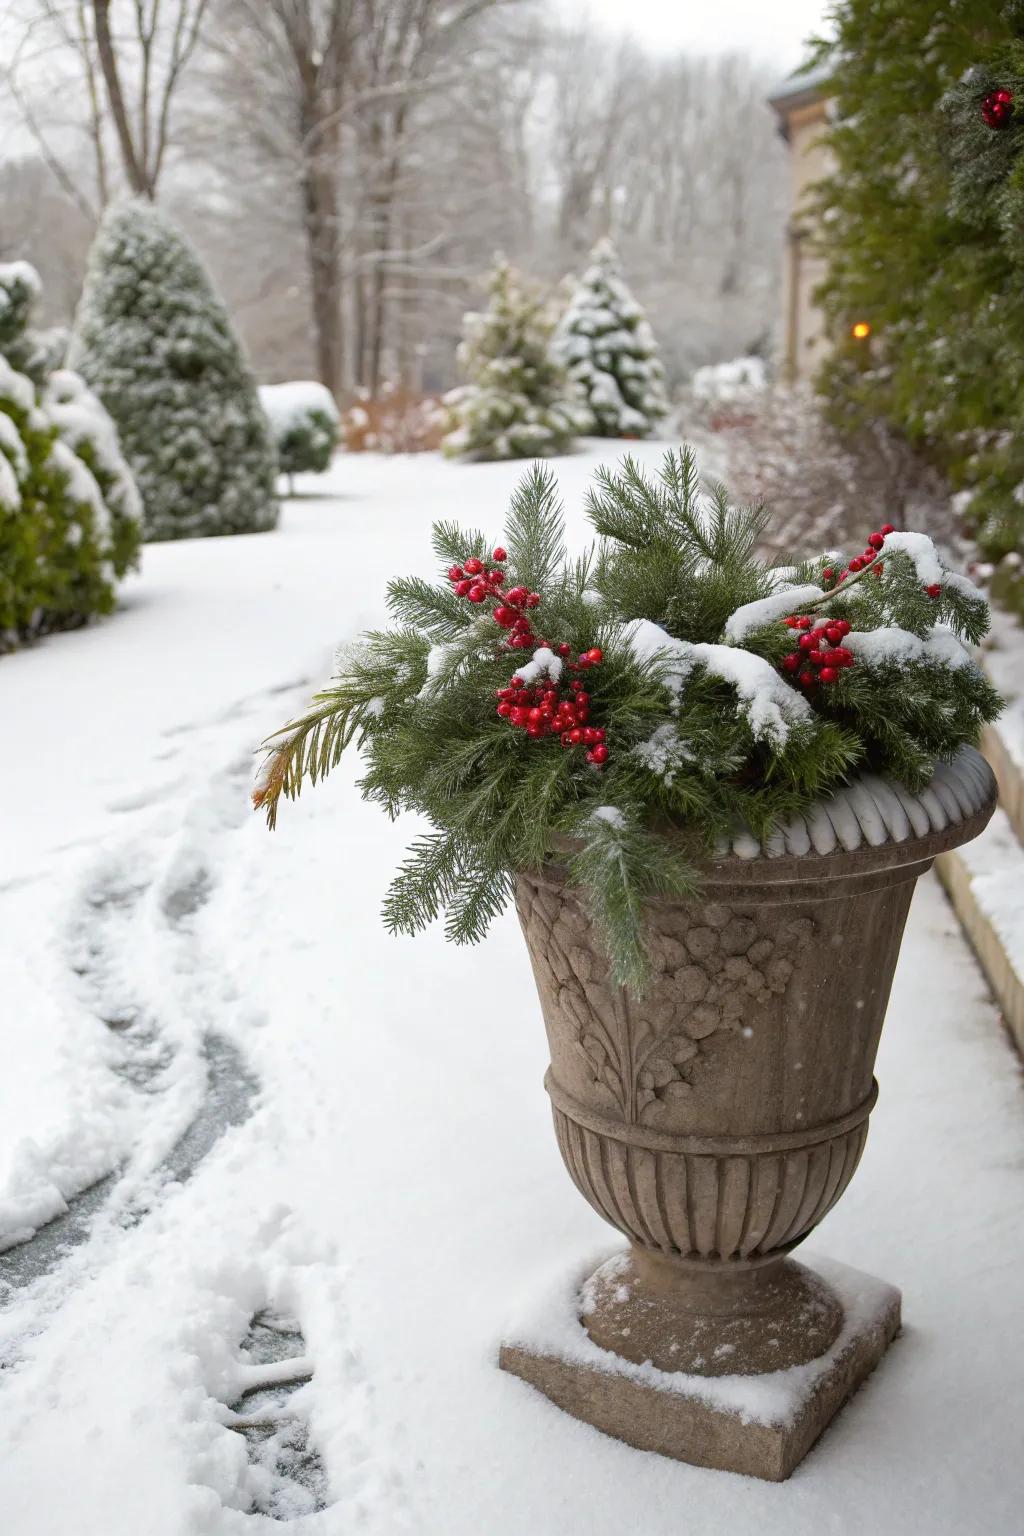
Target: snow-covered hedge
304 424
606 344
155 343
69 509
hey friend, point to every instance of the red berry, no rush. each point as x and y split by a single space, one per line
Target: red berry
499 554
516 682
505 616
576 736
576 684
476 593
584 661
817 658
462 587
843 657
455 573
517 595
590 735
474 566
843 625
791 662
599 734
856 564
536 731
876 540
887 528
566 739
598 754
531 600
596 655
564 649
803 622
879 567
868 556
828 574
582 698
934 590
505 708
807 678
834 633
828 674
517 716
997 108
807 642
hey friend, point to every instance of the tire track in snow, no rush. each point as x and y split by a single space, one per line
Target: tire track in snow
131 944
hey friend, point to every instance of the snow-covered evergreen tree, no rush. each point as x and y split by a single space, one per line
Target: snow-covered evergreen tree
518 403
605 342
69 508
155 343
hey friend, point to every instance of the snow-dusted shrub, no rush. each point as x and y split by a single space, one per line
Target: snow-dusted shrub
606 344
19 289
394 421
304 424
154 342
518 402
741 380
823 488
69 510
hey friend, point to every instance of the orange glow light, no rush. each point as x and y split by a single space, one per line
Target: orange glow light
861 331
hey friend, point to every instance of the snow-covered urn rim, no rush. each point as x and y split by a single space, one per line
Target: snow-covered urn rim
879 813
873 824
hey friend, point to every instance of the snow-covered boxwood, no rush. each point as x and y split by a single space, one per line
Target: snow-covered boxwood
304 423
606 344
69 509
633 707
154 342
517 403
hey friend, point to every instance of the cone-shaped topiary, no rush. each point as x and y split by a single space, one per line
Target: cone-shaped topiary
518 403
607 346
154 341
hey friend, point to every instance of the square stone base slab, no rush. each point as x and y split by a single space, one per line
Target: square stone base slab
762 1426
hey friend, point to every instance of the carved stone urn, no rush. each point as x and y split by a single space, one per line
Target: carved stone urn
716 1121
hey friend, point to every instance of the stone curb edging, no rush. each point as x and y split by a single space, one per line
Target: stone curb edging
953 869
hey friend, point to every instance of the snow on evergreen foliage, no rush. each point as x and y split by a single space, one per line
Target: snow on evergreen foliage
154 342
69 508
518 402
304 423
605 342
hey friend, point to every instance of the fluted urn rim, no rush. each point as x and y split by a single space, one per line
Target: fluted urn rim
872 825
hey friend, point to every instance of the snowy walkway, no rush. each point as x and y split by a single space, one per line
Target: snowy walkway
346 1133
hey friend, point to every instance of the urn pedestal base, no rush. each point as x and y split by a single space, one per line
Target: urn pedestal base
762 1425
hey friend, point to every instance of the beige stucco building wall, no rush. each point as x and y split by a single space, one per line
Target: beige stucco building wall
803 114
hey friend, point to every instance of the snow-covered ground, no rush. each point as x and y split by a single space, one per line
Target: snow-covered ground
345 1134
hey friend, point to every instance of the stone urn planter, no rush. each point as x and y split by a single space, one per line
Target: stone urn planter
717 1120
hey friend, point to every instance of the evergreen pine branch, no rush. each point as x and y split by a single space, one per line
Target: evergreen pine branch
535 529
620 867
423 605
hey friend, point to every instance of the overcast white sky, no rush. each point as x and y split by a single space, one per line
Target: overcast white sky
772 30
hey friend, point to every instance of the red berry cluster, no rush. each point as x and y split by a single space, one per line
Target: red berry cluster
997 109
543 710
478 582
819 656
860 562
